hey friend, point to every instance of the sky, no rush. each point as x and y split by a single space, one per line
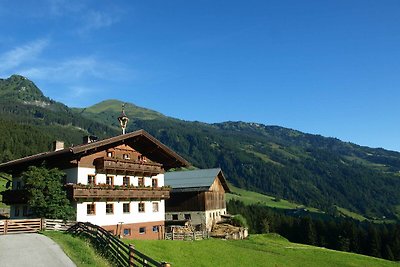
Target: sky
321 67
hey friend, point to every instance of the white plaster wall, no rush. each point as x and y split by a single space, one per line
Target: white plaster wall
82 174
199 217
101 218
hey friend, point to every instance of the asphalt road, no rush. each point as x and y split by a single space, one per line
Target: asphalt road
31 250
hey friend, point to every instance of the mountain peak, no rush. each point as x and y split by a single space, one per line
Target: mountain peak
132 111
19 88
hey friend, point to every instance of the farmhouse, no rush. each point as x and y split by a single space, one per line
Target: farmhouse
117 183
197 196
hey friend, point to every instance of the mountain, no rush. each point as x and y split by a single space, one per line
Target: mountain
30 121
304 168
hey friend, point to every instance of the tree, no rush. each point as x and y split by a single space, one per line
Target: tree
46 195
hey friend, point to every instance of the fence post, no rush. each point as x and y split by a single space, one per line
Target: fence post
131 255
42 224
5 227
165 264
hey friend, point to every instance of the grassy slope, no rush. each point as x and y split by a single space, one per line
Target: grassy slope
77 249
250 197
131 110
258 250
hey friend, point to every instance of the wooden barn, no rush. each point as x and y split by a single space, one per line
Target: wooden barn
197 196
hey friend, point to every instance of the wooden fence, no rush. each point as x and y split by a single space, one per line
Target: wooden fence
121 253
20 226
198 235
32 225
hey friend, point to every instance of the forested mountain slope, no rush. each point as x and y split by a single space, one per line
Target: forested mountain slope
309 169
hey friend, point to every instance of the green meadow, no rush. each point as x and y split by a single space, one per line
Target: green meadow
259 250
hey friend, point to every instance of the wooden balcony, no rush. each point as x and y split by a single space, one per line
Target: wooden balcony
83 192
127 167
12 197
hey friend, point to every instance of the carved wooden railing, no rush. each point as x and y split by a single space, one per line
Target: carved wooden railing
127 167
116 192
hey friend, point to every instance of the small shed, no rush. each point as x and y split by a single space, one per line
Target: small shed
198 196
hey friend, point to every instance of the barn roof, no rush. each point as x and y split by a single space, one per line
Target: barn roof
139 140
196 180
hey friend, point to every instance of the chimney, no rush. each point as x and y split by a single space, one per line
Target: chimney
89 139
86 139
58 145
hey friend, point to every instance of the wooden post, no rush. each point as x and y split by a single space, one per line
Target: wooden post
5 227
42 226
131 255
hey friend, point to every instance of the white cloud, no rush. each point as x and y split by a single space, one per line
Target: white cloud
95 20
22 54
79 68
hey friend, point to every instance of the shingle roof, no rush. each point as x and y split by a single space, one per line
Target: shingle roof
196 180
139 140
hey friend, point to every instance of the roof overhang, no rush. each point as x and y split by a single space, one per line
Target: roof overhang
139 140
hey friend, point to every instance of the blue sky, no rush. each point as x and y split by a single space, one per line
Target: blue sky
323 67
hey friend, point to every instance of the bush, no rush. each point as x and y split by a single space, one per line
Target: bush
239 220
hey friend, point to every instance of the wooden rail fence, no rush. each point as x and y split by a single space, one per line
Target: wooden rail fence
190 236
121 253
32 225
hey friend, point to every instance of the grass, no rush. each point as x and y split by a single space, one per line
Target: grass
250 197
258 250
351 214
79 250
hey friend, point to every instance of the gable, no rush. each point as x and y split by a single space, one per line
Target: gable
140 141
197 180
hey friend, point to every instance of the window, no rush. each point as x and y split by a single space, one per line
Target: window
155 206
110 180
126 207
155 228
141 181
110 154
175 217
91 209
25 211
16 212
109 208
142 230
188 216
141 207
91 179
154 182
126 181
127 231
126 156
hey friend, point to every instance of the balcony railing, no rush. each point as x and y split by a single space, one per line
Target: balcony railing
11 197
82 192
127 167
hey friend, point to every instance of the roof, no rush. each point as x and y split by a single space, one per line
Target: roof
140 140
196 180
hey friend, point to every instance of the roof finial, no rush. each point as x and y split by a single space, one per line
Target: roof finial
123 119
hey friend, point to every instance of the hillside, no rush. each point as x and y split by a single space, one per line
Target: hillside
312 170
259 250
30 121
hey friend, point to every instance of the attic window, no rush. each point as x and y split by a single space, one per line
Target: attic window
110 154
126 156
